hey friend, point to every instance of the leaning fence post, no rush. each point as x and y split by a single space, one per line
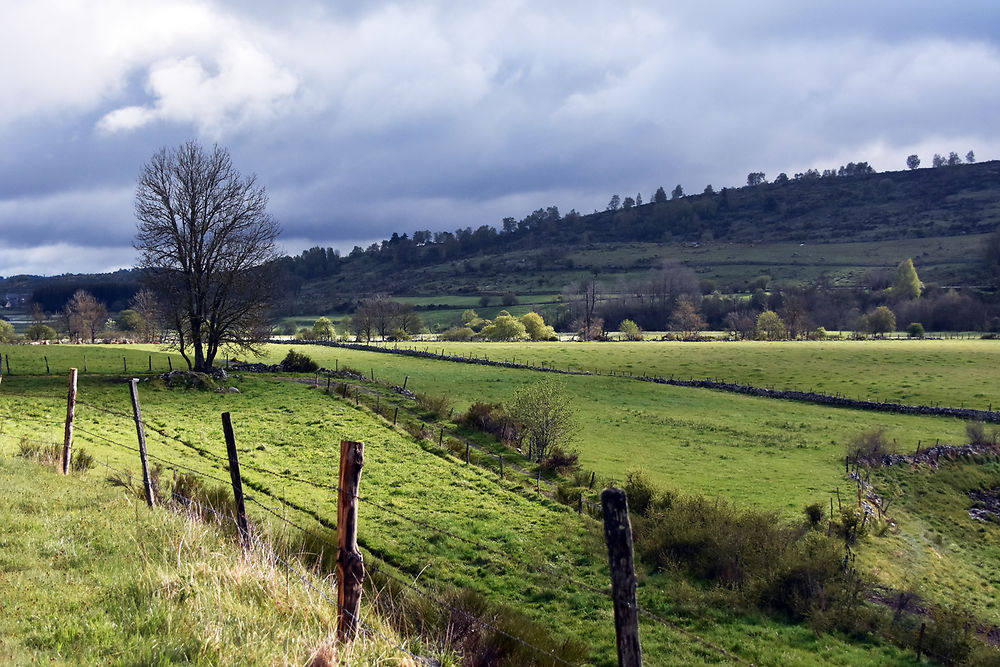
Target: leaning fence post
350 565
70 414
46 365
618 535
140 431
234 475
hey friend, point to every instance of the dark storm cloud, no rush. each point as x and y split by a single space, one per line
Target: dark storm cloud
369 118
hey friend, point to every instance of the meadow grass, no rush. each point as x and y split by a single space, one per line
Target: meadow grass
951 373
92 576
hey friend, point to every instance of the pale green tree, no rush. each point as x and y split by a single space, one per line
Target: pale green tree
536 327
906 285
7 334
504 327
770 326
323 329
544 414
630 330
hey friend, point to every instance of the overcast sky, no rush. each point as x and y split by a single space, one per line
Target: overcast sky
379 117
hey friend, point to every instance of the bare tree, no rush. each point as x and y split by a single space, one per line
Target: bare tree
206 244
144 303
86 315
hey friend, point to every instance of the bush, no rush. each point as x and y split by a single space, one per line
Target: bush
296 362
870 446
560 460
915 330
459 334
435 405
979 434
492 419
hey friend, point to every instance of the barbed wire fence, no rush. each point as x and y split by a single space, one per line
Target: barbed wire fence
492 553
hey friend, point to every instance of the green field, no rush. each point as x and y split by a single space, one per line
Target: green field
919 372
766 453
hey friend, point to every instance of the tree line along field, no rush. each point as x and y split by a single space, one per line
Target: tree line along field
293 428
756 452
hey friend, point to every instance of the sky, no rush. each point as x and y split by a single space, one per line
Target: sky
364 119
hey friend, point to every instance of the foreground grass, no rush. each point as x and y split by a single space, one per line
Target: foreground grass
89 575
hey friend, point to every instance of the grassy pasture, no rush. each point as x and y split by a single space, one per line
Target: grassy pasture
925 372
291 427
775 454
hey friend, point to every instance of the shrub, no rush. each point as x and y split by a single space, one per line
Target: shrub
560 460
915 330
297 362
435 405
492 419
979 434
870 446
461 334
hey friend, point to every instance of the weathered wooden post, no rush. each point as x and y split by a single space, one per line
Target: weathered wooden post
501 465
579 504
84 363
140 431
466 452
538 481
170 364
350 565
7 362
70 415
405 380
151 363
328 384
124 365
395 414
441 442
234 475
46 364
920 641
618 535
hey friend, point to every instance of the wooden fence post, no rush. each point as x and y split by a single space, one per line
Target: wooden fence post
618 535
151 363
234 475
124 365
350 565
46 364
466 452
405 380
170 364
7 361
140 431
84 363
70 415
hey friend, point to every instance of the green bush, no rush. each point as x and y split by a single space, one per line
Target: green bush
296 362
915 330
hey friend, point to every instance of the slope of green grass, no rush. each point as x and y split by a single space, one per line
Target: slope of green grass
89 575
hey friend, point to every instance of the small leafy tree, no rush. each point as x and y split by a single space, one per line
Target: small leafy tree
915 330
323 329
630 330
38 331
544 413
660 196
912 161
677 192
770 326
881 321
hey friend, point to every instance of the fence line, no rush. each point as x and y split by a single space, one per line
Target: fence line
506 557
